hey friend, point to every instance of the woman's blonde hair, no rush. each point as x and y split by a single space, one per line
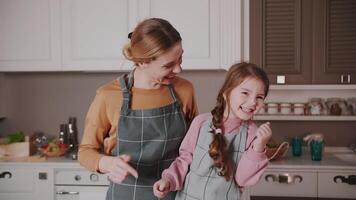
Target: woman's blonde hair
151 38
235 76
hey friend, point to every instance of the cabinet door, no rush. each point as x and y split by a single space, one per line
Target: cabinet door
17 183
286 184
94 33
211 30
334 41
330 185
280 38
30 35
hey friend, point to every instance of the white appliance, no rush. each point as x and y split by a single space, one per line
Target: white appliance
77 184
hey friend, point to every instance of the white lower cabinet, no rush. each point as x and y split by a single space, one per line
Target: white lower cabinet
337 185
74 184
19 183
288 183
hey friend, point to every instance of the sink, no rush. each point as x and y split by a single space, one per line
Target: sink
345 157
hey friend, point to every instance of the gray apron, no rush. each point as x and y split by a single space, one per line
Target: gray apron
152 138
203 182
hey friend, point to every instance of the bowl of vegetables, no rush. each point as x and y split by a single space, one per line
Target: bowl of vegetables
54 149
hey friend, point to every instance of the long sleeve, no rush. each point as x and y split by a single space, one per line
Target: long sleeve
252 163
95 130
178 170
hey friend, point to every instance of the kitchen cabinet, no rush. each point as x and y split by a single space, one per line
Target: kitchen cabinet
30 35
18 183
334 44
286 183
74 183
304 41
337 185
78 35
305 184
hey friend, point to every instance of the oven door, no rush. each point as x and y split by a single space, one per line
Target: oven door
75 192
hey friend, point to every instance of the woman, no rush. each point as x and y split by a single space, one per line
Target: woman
140 119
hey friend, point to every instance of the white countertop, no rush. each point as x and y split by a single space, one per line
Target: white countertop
329 162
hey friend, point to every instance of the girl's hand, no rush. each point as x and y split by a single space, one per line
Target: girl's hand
117 168
161 188
263 135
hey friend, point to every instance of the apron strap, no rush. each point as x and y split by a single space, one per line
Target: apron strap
173 93
126 91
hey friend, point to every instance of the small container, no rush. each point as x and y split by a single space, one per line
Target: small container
316 149
297 143
272 108
262 110
316 106
286 108
298 109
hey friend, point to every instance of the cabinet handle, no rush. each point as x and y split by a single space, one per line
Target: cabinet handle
67 193
6 175
284 178
298 177
272 176
343 78
351 180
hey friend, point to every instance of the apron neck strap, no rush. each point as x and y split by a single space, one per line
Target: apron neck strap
126 89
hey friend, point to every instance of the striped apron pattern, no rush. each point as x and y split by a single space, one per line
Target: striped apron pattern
202 181
152 138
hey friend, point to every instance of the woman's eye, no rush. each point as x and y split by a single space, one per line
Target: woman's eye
245 93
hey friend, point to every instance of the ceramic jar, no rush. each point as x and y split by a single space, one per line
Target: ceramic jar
298 108
272 108
286 108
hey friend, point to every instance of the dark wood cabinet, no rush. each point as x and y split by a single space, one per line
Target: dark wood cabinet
282 198
307 41
334 41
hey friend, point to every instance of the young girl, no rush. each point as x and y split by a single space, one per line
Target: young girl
224 150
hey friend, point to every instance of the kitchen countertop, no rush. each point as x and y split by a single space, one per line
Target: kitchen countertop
329 161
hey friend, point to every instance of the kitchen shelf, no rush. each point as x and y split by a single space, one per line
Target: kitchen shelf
303 118
314 87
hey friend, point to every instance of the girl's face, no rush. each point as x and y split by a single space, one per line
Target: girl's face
246 99
165 67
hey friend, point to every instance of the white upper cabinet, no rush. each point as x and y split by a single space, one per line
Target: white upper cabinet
30 35
88 35
211 30
94 32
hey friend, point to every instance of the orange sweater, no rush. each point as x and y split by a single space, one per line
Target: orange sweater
101 123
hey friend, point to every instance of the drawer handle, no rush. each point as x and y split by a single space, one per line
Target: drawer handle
271 176
6 175
67 193
284 178
351 180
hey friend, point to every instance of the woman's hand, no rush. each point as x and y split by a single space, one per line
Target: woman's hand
263 135
161 188
117 168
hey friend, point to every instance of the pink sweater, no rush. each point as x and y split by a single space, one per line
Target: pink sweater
249 169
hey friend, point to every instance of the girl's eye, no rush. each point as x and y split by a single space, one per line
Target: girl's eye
245 93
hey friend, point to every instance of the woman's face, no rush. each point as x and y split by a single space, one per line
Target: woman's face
246 99
165 67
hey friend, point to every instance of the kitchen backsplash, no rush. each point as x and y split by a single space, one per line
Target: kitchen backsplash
42 101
